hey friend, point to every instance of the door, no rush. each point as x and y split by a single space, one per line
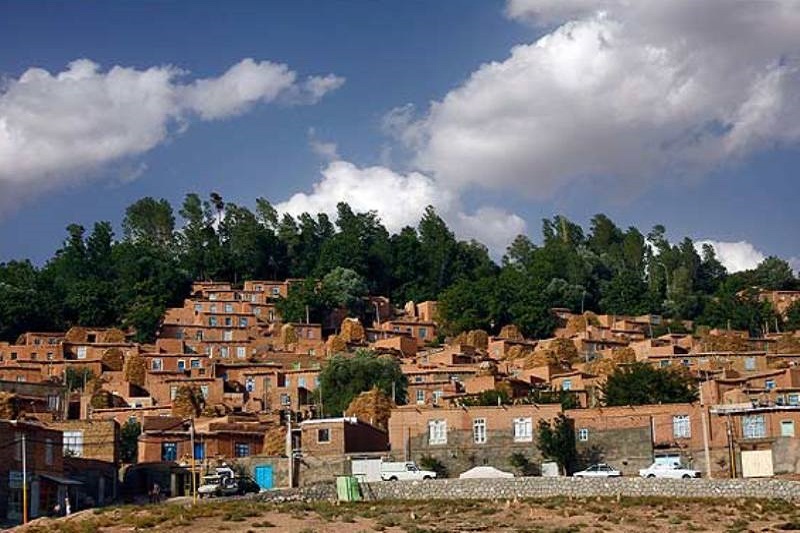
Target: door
264 476
757 463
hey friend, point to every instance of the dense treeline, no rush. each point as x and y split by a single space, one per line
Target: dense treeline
96 279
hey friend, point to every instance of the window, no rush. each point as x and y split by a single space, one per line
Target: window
198 307
276 291
285 399
241 352
254 298
685 362
242 321
50 356
194 363
523 430
199 450
271 316
566 384
479 430
212 321
769 384
73 443
81 352
156 364
681 427
437 432
223 351
181 365
750 363
437 395
21 379
227 335
34 356
787 428
198 336
301 382
257 311
793 399
48 451
664 363
323 435
420 396
241 449
229 308
583 434
213 308
212 296
418 379
173 392
754 427
169 451
423 332
249 384
228 321
204 391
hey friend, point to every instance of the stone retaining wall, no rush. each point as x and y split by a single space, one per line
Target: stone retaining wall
541 487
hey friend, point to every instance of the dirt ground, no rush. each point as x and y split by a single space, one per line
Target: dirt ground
559 515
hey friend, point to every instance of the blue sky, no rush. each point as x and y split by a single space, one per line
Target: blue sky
411 111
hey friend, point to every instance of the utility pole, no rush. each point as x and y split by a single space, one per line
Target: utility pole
704 420
194 481
289 450
24 481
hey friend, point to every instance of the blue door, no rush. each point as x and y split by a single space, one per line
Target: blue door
264 476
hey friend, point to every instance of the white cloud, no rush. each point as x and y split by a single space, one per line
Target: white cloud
734 256
633 90
400 200
326 150
57 128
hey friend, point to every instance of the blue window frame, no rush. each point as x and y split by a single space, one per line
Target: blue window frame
169 451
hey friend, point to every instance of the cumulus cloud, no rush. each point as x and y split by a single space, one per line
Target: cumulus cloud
629 90
400 200
56 128
734 256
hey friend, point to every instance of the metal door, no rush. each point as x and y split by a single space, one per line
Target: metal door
264 476
757 463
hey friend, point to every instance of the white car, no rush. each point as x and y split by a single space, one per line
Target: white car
599 470
404 470
675 471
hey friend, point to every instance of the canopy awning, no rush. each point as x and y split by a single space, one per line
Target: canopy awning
61 480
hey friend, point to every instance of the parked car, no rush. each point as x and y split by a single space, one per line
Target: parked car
598 470
674 470
397 471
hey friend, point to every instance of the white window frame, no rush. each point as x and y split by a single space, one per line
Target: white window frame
769 384
241 352
566 384
227 335
420 396
479 431
681 427
437 432
157 364
749 363
81 352
583 435
523 429
73 443
787 428
754 427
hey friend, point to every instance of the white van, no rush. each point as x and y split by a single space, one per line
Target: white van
404 470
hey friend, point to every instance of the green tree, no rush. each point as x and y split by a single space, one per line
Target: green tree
129 441
774 274
556 442
344 287
793 316
345 377
76 378
643 384
149 221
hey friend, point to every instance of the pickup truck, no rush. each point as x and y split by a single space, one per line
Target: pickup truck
675 471
398 471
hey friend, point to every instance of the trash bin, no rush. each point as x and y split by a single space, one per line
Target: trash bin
347 489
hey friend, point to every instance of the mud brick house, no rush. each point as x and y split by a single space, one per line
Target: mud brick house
47 483
464 437
327 444
168 438
44 401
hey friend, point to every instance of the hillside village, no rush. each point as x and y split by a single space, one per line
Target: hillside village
228 381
